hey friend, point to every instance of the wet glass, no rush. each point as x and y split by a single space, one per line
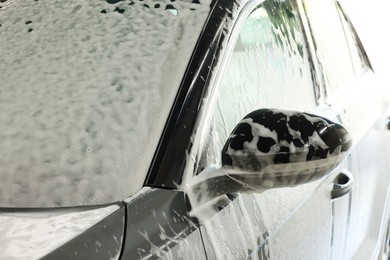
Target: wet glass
268 68
85 90
340 62
359 58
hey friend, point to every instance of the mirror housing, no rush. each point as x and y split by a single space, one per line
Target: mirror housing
271 148
284 148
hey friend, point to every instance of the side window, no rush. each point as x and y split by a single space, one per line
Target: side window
338 48
268 68
359 57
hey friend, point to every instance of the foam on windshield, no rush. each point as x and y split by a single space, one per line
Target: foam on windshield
85 89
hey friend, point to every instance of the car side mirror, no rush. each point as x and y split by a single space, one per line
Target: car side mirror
271 148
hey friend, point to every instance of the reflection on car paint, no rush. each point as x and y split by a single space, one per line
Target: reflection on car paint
35 233
158 225
235 232
283 223
102 241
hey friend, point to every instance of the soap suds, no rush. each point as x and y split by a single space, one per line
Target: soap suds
84 95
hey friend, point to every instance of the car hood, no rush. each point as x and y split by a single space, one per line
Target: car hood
34 233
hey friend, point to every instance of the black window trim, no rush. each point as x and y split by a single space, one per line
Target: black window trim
168 164
170 158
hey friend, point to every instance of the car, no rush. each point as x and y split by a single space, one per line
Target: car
190 129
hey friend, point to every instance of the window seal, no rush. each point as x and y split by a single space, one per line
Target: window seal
362 51
167 167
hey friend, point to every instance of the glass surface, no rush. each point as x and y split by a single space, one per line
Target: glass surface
332 47
359 58
268 68
85 91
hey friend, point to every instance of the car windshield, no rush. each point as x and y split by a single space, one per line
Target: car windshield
85 91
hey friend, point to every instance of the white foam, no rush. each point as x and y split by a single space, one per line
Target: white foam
84 96
33 235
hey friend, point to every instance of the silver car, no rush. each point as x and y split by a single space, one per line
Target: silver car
190 129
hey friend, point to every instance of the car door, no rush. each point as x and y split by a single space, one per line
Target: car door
159 227
353 93
268 58
267 64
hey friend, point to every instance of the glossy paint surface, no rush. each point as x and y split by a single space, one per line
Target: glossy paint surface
270 137
303 222
102 241
159 226
35 233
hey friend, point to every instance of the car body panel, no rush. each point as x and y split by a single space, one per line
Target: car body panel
228 239
102 241
359 107
34 233
310 221
158 225
364 113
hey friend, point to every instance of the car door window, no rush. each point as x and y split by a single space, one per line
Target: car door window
269 67
359 57
357 219
341 56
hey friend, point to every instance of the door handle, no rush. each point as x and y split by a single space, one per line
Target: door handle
342 184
